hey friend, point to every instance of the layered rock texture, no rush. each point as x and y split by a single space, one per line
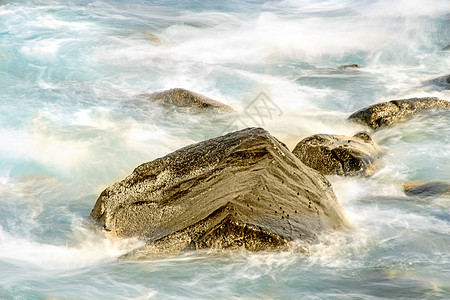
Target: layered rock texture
394 111
187 99
339 154
244 190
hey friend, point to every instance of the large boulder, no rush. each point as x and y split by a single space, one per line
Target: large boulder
179 97
241 190
394 111
338 154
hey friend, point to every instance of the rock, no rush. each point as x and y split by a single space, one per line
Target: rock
446 48
243 190
394 111
426 189
153 38
184 98
339 154
442 82
352 66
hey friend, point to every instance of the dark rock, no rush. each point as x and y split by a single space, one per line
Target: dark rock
184 98
338 154
394 111
426 189
446 48
352 66
221 193
442 82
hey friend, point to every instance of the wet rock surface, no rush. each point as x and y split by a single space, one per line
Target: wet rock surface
339 154
179 97
442 82
394 111
243 190
426 189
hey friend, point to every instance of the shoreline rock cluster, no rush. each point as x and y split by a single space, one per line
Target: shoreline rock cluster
245 189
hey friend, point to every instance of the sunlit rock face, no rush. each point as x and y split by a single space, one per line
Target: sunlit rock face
338 154
394 111
183 98
243 190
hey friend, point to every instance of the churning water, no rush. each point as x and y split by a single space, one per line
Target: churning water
71 123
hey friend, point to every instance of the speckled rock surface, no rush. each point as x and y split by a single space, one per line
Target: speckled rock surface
339 154
187 99
243 190
394 111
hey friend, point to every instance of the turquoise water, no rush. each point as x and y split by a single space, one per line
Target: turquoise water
72 123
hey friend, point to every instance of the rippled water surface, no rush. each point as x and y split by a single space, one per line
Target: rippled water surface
72 123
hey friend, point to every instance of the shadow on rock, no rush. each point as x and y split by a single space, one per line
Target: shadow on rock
426 189
339 154
243 190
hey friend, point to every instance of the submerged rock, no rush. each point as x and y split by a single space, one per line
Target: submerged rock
442 82
184 98
426 189
243 190
153 38
352 66
339 154
394 111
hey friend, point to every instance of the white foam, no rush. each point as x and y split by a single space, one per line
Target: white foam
90 248
404 8
50 22
42 49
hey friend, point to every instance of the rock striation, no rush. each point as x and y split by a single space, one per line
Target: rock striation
338 154
394 111
179 97
243 190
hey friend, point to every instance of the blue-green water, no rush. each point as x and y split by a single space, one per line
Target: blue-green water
71 123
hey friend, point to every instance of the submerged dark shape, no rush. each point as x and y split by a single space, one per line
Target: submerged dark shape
179 97
150 36
243 190
352 66
338 154
442 82
394 111
426 189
